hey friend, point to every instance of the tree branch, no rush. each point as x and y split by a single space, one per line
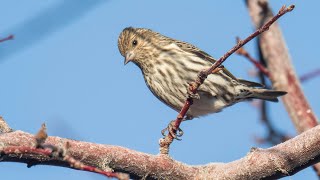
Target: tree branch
283 75
193 87
282 160
256 63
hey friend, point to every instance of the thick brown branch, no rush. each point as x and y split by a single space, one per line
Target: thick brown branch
281 160
166 141
283 75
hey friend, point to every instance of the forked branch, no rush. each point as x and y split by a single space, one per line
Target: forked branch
167 140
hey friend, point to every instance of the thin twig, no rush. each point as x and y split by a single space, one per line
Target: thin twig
10 37
265 71
256 63
193 87
57 153
310 75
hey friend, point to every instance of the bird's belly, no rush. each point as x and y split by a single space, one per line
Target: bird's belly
175 98
206 105
174 95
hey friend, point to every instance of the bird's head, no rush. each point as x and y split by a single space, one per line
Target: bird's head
135 44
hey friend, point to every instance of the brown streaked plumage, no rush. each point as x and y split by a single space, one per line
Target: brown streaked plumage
168 65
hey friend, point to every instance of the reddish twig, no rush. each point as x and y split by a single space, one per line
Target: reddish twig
310 75
193 87
67 158
57 153
266 72
256 63
25 150
10 37
79 165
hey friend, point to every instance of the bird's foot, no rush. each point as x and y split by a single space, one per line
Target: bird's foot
194 96
172 130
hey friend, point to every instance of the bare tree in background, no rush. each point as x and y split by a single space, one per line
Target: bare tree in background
278 161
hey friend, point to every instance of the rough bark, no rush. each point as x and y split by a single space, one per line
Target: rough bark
281 160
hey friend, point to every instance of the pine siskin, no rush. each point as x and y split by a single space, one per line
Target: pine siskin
168 65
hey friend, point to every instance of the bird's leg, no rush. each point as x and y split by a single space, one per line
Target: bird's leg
172 130
175 133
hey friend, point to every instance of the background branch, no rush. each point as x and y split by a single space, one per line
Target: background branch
310 75
283 75
10 37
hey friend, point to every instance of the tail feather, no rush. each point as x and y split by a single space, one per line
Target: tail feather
268 95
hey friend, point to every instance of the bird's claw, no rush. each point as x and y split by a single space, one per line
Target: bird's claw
175 133
193 96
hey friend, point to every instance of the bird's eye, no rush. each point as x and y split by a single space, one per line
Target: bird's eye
134 42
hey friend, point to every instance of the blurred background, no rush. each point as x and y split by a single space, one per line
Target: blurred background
64 68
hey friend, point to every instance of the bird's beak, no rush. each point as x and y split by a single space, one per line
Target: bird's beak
129 57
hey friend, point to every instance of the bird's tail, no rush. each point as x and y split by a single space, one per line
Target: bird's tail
265 94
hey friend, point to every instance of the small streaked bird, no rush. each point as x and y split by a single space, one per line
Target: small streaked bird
168 65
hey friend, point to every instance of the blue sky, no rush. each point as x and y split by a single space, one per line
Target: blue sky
64 68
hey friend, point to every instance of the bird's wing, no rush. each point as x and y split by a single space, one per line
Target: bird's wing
201 54
250 83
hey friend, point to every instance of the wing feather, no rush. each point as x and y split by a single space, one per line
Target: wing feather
201 54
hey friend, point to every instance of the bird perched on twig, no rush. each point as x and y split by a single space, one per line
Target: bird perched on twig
168 65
